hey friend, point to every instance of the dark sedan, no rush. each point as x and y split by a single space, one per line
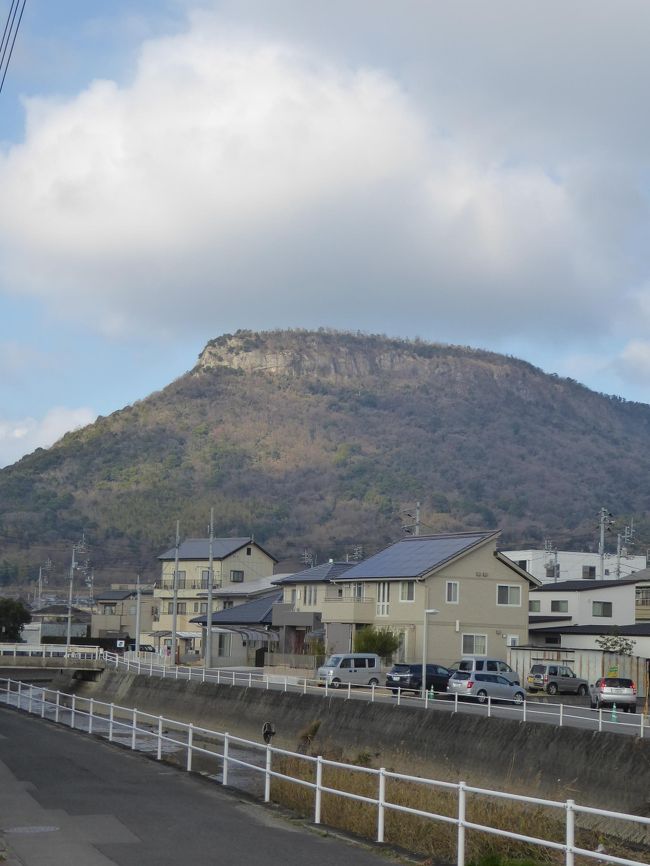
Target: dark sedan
409 677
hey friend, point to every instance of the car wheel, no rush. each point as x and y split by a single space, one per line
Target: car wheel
593 705
582 691
551 689
481 696
394 691
335 684
373 682
633 708
519 697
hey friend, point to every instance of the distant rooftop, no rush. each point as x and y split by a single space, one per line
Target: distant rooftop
199 548
251 613
584 585
324 573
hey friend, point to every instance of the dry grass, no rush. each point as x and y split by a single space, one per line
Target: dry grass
435 839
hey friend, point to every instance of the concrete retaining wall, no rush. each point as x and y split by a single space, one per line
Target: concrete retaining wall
611 771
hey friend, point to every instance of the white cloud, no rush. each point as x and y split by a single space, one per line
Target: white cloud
242 181
19 437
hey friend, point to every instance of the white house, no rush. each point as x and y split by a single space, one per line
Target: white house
552 566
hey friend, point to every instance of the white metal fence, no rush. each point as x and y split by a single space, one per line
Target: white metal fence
143 730
613 720
49 651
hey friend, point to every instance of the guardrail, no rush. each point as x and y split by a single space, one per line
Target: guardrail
48 651
526 711
104 719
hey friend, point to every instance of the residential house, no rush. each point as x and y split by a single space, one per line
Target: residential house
478 596
298 615
235 561
557 606
241 635
642 599
550 566
116 615
50 623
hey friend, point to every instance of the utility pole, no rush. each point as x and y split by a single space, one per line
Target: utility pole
413 528
73 565
624 538
207 655
175 595
137 614
605 522
39 599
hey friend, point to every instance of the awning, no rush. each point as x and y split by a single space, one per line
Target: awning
256 634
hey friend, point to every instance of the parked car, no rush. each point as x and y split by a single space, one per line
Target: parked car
551 677
483 686
359 669
608 691
409 676
474 664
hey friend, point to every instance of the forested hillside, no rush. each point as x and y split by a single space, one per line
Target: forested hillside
320 440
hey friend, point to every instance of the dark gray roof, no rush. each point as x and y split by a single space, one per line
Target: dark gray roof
251 613
415 556
638 629
114 594
199 548
534 619
582 585
324 573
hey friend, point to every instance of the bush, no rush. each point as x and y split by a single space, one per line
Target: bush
382 641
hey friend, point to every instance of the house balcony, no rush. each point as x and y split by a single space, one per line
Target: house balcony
284 614
642 608
349 609
167 586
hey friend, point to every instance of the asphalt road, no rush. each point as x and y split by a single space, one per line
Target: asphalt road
70 800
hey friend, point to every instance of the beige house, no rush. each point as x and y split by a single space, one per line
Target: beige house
115 613
235 561
476 598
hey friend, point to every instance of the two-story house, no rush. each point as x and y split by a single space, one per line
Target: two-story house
116 613
468 597
235 561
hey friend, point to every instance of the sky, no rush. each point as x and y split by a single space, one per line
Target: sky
171 170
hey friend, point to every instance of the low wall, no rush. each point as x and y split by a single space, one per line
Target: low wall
610 771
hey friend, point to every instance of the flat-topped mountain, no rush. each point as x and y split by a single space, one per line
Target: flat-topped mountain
322 440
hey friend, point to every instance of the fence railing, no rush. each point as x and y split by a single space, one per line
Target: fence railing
46 651
141 730
526 711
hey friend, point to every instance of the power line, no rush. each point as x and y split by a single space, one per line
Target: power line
7 37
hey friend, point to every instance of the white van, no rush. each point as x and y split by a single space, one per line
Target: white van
472 664
359 669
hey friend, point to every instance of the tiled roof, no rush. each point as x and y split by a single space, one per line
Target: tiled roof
199 548
415 556
251 613
583 585
324 573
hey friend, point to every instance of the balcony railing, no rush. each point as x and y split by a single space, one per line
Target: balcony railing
168 585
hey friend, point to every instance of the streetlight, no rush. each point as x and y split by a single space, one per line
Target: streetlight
431 610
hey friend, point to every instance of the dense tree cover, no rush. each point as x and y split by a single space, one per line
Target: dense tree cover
326 453
13 616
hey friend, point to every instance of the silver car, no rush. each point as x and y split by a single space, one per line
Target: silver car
554 677
483 686
608 691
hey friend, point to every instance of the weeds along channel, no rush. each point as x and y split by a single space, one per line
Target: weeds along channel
427 836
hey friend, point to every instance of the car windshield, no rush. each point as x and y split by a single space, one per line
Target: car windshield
401 669
465 665
333 661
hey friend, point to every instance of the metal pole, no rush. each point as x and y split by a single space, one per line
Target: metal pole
207 655
460 854
90 717
111 715
319 785
69 630
190 738
137 615
380 804
224 774
74 701
570 831
267 776
175 596
57 705
134 727
159 743
423 684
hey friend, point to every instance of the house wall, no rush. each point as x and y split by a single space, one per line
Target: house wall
571 562
124 618
580 604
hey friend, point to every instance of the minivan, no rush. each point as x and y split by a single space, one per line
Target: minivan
472 664
358 669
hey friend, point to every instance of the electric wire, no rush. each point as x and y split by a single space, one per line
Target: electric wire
13 41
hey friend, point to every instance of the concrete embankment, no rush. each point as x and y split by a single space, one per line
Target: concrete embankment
610 771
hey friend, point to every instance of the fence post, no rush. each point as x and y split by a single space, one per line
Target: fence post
90 716
176 676
233 678
20 693
372 694
43 702
641 728
426 699
190 739
250 680
286 681
218 676
224 773
74 702
489 706
203 678
455 702
111 715
29 699
267 682
561 714
159 739
570 831
267 776
151 666
460 854
380 804
399 696
524 713
600 719
349 690
189 673
304 687
319 785
134 727
57 706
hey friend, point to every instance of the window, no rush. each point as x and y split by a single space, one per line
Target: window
601 608
182 607
204 607
223 644
236 576
534 605
196 607
357 590
523 563
589 572
509 595
474 644
108 609
559 606
170 607
311 595
180 580
550 570
383 598
407 590
228 604
248 551
452 591
512 640
132 610
294 595
552 639
205 578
